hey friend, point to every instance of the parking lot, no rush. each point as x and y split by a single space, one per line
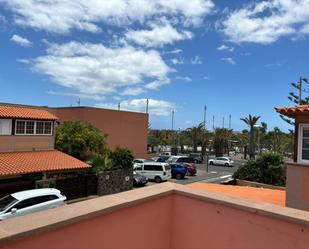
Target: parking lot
215 174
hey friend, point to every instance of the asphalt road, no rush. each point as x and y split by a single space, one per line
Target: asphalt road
215 174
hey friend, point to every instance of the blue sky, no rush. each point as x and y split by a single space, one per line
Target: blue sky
237 57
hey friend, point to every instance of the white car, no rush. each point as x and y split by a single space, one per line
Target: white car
138 161
29 201
224 161
154 171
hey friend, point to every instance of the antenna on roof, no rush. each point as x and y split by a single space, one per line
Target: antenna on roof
118 106
78 102
147 103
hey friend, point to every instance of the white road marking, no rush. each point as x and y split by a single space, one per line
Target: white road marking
225 176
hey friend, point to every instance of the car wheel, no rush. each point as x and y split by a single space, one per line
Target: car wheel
226 165
178 176
158 179
211 163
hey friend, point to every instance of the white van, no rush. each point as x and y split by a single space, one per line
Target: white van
154 171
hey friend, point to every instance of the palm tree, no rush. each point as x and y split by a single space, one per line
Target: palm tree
196 134
221 141
251 122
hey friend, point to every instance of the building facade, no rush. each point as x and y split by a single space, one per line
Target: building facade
123 128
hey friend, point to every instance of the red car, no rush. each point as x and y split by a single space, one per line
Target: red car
191 168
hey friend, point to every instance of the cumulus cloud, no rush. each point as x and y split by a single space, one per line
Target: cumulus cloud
225 48
158 36
62 16
155 107
24 42
266 21
229 60
196 60
93 68
183 78
177 61
133 91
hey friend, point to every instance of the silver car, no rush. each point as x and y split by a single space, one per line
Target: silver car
29 201
224 161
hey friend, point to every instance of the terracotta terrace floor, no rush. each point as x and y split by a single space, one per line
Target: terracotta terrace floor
271 196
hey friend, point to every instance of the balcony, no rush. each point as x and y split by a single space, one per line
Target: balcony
160 216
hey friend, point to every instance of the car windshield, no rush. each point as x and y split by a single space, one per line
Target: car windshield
6 201
167 167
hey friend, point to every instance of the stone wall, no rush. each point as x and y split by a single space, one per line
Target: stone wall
111 182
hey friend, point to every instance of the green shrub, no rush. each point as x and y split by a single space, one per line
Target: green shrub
101 163
122 158
268 168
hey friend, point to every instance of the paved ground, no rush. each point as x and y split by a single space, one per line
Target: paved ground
215 174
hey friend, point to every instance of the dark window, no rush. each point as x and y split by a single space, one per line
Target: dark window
6 201
20 127
48 128
138 168
153 167
39 127
34 201
30 127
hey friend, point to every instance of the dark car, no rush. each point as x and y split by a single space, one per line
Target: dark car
139 180
178 170
160 159
198 158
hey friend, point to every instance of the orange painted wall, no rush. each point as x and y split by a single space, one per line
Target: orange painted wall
143 226
126 129
208 225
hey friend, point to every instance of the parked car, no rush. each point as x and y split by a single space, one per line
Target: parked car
191 169
225 161
154 171
178 170
165 153
181 159
29 201
139 180
197 157
160 159
138 161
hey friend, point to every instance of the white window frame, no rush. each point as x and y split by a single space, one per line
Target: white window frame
300 143
34 134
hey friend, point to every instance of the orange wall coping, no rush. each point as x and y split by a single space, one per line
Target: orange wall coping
36 223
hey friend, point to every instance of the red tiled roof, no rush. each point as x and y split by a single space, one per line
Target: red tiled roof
15 163
293 111
24 112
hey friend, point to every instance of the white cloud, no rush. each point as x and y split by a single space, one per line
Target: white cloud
175 51
225 48
183 78
196 60
176 61
206 78
158 36
62 16
229 60
95 69
266 21
77 95
24 61
24 42
155 107
133 91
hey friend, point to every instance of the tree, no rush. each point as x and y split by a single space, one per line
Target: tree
251 122
221 141
297 98
80 140
196 134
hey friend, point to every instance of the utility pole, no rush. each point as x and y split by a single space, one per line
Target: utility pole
213 122
230 121
205 110
78 102
172 119
119 106
147 103
223 122
300 89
